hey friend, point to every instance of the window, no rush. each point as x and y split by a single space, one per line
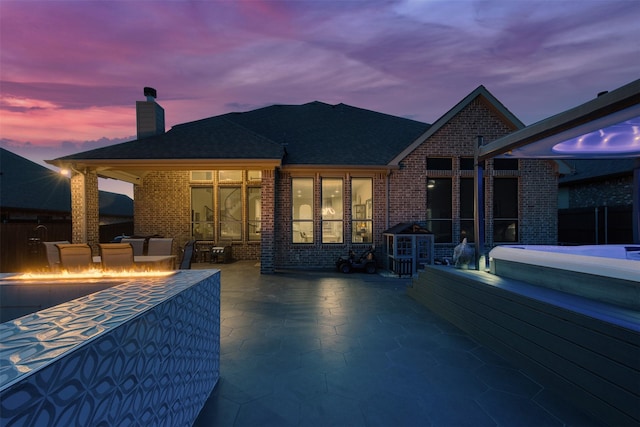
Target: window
505 210
230 176
202 213
302 206
466 209
230 206
332 211
439 211
361 210
254 216
439 163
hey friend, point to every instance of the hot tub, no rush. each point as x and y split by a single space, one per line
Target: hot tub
607 273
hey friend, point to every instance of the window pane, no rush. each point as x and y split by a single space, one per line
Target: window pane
201 176
361 210
302 205
362 232
466 198
439 163
467 228
505 198
505 164
505 210
255 213
332 211
254 175
227 176
230 213
466 163
439 209
202 213
505 231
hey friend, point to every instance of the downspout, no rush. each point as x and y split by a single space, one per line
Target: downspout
388 189
478 207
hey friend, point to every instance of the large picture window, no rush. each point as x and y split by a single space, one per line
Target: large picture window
505 210
202 213
302 210
361 210
332 211
439 210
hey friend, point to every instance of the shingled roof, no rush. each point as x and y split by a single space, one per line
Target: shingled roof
310 134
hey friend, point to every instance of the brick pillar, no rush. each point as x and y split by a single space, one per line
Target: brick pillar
267 234
84 209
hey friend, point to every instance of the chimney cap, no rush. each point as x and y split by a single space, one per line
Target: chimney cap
150 92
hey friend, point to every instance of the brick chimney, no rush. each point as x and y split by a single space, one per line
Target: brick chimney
149 115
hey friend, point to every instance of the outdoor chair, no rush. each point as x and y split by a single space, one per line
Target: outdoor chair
53 255
187 255
160 246
75 256
116 256
136 244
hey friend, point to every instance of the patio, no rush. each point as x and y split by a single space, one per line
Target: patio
302 348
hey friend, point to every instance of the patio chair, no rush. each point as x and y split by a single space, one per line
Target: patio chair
159 246
75 256
116 256
136 244
53 256
221 252
187 255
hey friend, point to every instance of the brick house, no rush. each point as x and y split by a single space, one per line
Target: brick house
299 185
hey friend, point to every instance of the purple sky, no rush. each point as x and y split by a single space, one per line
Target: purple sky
71 71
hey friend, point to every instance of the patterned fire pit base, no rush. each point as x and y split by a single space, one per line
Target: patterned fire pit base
145 352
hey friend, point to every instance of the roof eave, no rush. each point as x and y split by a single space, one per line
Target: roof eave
606 110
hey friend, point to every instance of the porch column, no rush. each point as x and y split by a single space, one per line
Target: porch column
478 207
267 233
85 208
636 202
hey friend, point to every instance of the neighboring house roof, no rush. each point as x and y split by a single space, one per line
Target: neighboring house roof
481 92
591 170
25 185
310 134
29 186
114 204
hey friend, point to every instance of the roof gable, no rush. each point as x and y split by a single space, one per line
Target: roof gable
480 92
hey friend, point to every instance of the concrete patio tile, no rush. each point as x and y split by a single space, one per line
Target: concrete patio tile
510 410
331 410
454 409
327 349
507 379
389 409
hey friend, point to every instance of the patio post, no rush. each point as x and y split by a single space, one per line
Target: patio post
636 202
478 205
84 207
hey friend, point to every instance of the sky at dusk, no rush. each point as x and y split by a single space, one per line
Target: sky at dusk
71 71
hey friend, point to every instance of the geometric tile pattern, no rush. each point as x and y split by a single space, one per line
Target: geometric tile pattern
144 352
